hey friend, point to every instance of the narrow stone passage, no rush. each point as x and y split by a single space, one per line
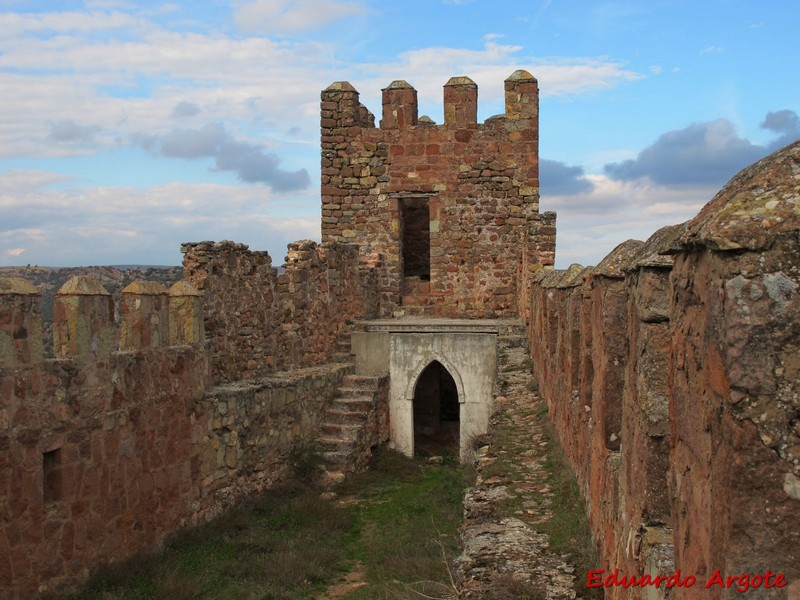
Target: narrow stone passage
502 548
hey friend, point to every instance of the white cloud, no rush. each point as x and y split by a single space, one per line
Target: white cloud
72 22
65 227
97 80
428 69
591 224
291 16
131 85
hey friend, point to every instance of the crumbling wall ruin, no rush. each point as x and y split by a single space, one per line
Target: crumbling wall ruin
671 374
259 321
138 429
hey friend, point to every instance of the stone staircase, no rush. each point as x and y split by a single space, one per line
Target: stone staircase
343 352
356 421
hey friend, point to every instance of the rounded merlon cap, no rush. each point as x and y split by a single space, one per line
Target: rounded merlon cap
183 288
759 203
399 84
82 286
144 288
655 252
340 86
17 286
461 80
617 261
520 75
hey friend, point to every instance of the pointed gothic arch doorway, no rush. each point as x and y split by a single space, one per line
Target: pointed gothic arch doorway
437 412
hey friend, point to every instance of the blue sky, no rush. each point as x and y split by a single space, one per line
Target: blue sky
127 128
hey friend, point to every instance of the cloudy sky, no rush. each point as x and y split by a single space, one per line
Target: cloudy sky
127 128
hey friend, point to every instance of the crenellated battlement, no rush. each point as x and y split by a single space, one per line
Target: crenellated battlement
400 106
450 207
259 321
122 438
83 320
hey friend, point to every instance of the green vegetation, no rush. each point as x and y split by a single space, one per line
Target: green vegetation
568 525
398 522
410 512
287 544
391 532
568 528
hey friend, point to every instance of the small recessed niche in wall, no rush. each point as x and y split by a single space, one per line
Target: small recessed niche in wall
51 475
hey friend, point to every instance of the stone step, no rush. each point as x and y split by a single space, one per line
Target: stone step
354 391
353 403
342 358
335 457
343 432
333 443
340 415
332 476
516 358
362 382
513 341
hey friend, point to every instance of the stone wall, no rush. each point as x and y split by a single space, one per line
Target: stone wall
97 447
478 184
249 427
671 374
120 440
259 321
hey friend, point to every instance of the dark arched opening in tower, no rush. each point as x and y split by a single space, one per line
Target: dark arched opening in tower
436 412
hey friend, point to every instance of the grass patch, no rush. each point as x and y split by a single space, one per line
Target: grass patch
400 520
569 526
411 512
286 545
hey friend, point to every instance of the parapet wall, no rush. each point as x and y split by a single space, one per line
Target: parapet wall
121 440
259 321
476 185
671 376
97 459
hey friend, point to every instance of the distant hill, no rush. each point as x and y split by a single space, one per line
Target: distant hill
114 278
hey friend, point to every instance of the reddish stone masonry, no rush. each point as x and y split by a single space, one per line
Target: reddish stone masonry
670 370
672 379
476 183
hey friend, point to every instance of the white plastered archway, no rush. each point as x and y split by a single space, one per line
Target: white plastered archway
469 358
424 364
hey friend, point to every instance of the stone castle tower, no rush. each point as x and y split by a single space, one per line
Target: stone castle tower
669 370
452 209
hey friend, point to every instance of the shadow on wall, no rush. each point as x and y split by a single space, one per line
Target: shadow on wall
679 412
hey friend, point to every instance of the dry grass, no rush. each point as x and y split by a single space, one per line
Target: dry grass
290 544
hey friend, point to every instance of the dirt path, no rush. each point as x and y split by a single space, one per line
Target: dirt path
502 549
355 579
